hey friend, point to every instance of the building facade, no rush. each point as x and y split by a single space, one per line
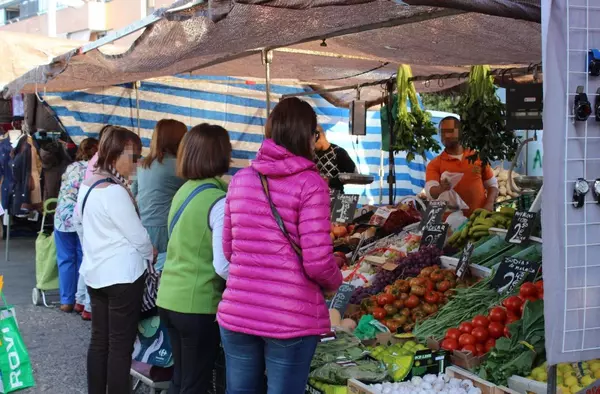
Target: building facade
86 20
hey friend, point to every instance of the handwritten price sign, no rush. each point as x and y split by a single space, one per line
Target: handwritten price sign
512 272
520 227
341 299
344 208
434 235
463 263
433 215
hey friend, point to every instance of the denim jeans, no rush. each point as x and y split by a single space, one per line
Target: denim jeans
287 363
68 258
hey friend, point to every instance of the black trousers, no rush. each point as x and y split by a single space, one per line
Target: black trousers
116 314
195 340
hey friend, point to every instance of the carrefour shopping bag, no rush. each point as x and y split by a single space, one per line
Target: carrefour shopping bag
15 364
152 345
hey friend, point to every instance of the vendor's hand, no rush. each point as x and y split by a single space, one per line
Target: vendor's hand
445 185
489 206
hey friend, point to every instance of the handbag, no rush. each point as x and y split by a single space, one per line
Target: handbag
153 277
277 216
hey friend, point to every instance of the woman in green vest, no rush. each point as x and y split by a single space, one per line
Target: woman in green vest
195 271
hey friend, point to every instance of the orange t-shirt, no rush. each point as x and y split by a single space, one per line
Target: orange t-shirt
470 188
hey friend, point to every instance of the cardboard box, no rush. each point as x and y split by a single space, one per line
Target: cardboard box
485 386
463 360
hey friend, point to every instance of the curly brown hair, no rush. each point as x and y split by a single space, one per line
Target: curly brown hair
87 149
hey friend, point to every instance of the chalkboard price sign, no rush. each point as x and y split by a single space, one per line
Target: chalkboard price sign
344 208
433 214
463 263
341 299
512 272
434 235
333 195
520 227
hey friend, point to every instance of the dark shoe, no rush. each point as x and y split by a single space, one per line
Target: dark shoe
66 308
87 316
78 308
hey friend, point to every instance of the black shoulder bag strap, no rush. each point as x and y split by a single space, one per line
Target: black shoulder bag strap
99 182
278 219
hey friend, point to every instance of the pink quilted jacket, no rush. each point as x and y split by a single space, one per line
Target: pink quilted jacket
270 291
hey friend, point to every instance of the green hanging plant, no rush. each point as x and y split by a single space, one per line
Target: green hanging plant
483 125
414 130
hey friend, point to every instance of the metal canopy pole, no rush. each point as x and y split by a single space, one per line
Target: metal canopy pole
392 163
267 59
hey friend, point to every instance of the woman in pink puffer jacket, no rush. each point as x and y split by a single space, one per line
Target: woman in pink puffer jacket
273 309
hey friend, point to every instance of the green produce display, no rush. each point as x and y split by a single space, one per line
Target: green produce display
464 305
517 355
494 260
495 244
397 358
479 225
345 346
366 370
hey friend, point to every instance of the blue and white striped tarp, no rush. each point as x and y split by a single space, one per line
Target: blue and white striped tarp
240 107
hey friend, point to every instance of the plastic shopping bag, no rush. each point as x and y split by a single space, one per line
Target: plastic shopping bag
451 197
15 364
152 345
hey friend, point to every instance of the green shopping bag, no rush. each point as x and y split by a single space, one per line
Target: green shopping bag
46 269
15 365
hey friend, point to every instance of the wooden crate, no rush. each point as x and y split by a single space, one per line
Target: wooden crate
356 387
485 386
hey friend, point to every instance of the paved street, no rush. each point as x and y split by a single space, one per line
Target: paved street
57 342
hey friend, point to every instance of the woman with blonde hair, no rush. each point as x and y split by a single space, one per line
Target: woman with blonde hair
157 182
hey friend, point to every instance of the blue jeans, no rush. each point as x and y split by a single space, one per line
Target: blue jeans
68 258
287 362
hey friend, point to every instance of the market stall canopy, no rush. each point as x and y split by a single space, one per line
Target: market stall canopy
365 40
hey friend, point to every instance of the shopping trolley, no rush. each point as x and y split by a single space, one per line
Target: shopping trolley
46 268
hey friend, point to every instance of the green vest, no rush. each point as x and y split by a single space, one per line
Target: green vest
189 283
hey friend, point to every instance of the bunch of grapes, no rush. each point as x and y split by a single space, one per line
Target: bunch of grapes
409 266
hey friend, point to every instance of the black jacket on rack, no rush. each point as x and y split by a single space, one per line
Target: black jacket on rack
21 166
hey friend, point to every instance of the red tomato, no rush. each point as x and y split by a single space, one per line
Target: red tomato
513 304
480 349
469 348
466 339
481 321
498 314
466 327
540 294
453 333
506 332
496 329
481 334
449 344
384 299
379 313
490 344
539 285
510 318
528 289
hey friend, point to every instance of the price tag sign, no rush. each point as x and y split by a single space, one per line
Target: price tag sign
380 216
433 215
512 272
463 263
434 235
341 299
333 195
344 208
520 227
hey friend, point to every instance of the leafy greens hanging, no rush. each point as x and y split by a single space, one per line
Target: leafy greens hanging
413 130
483 126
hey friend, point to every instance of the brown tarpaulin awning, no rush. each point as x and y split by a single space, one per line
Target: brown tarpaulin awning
226 38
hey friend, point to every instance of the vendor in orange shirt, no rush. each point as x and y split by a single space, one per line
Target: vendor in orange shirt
478 187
